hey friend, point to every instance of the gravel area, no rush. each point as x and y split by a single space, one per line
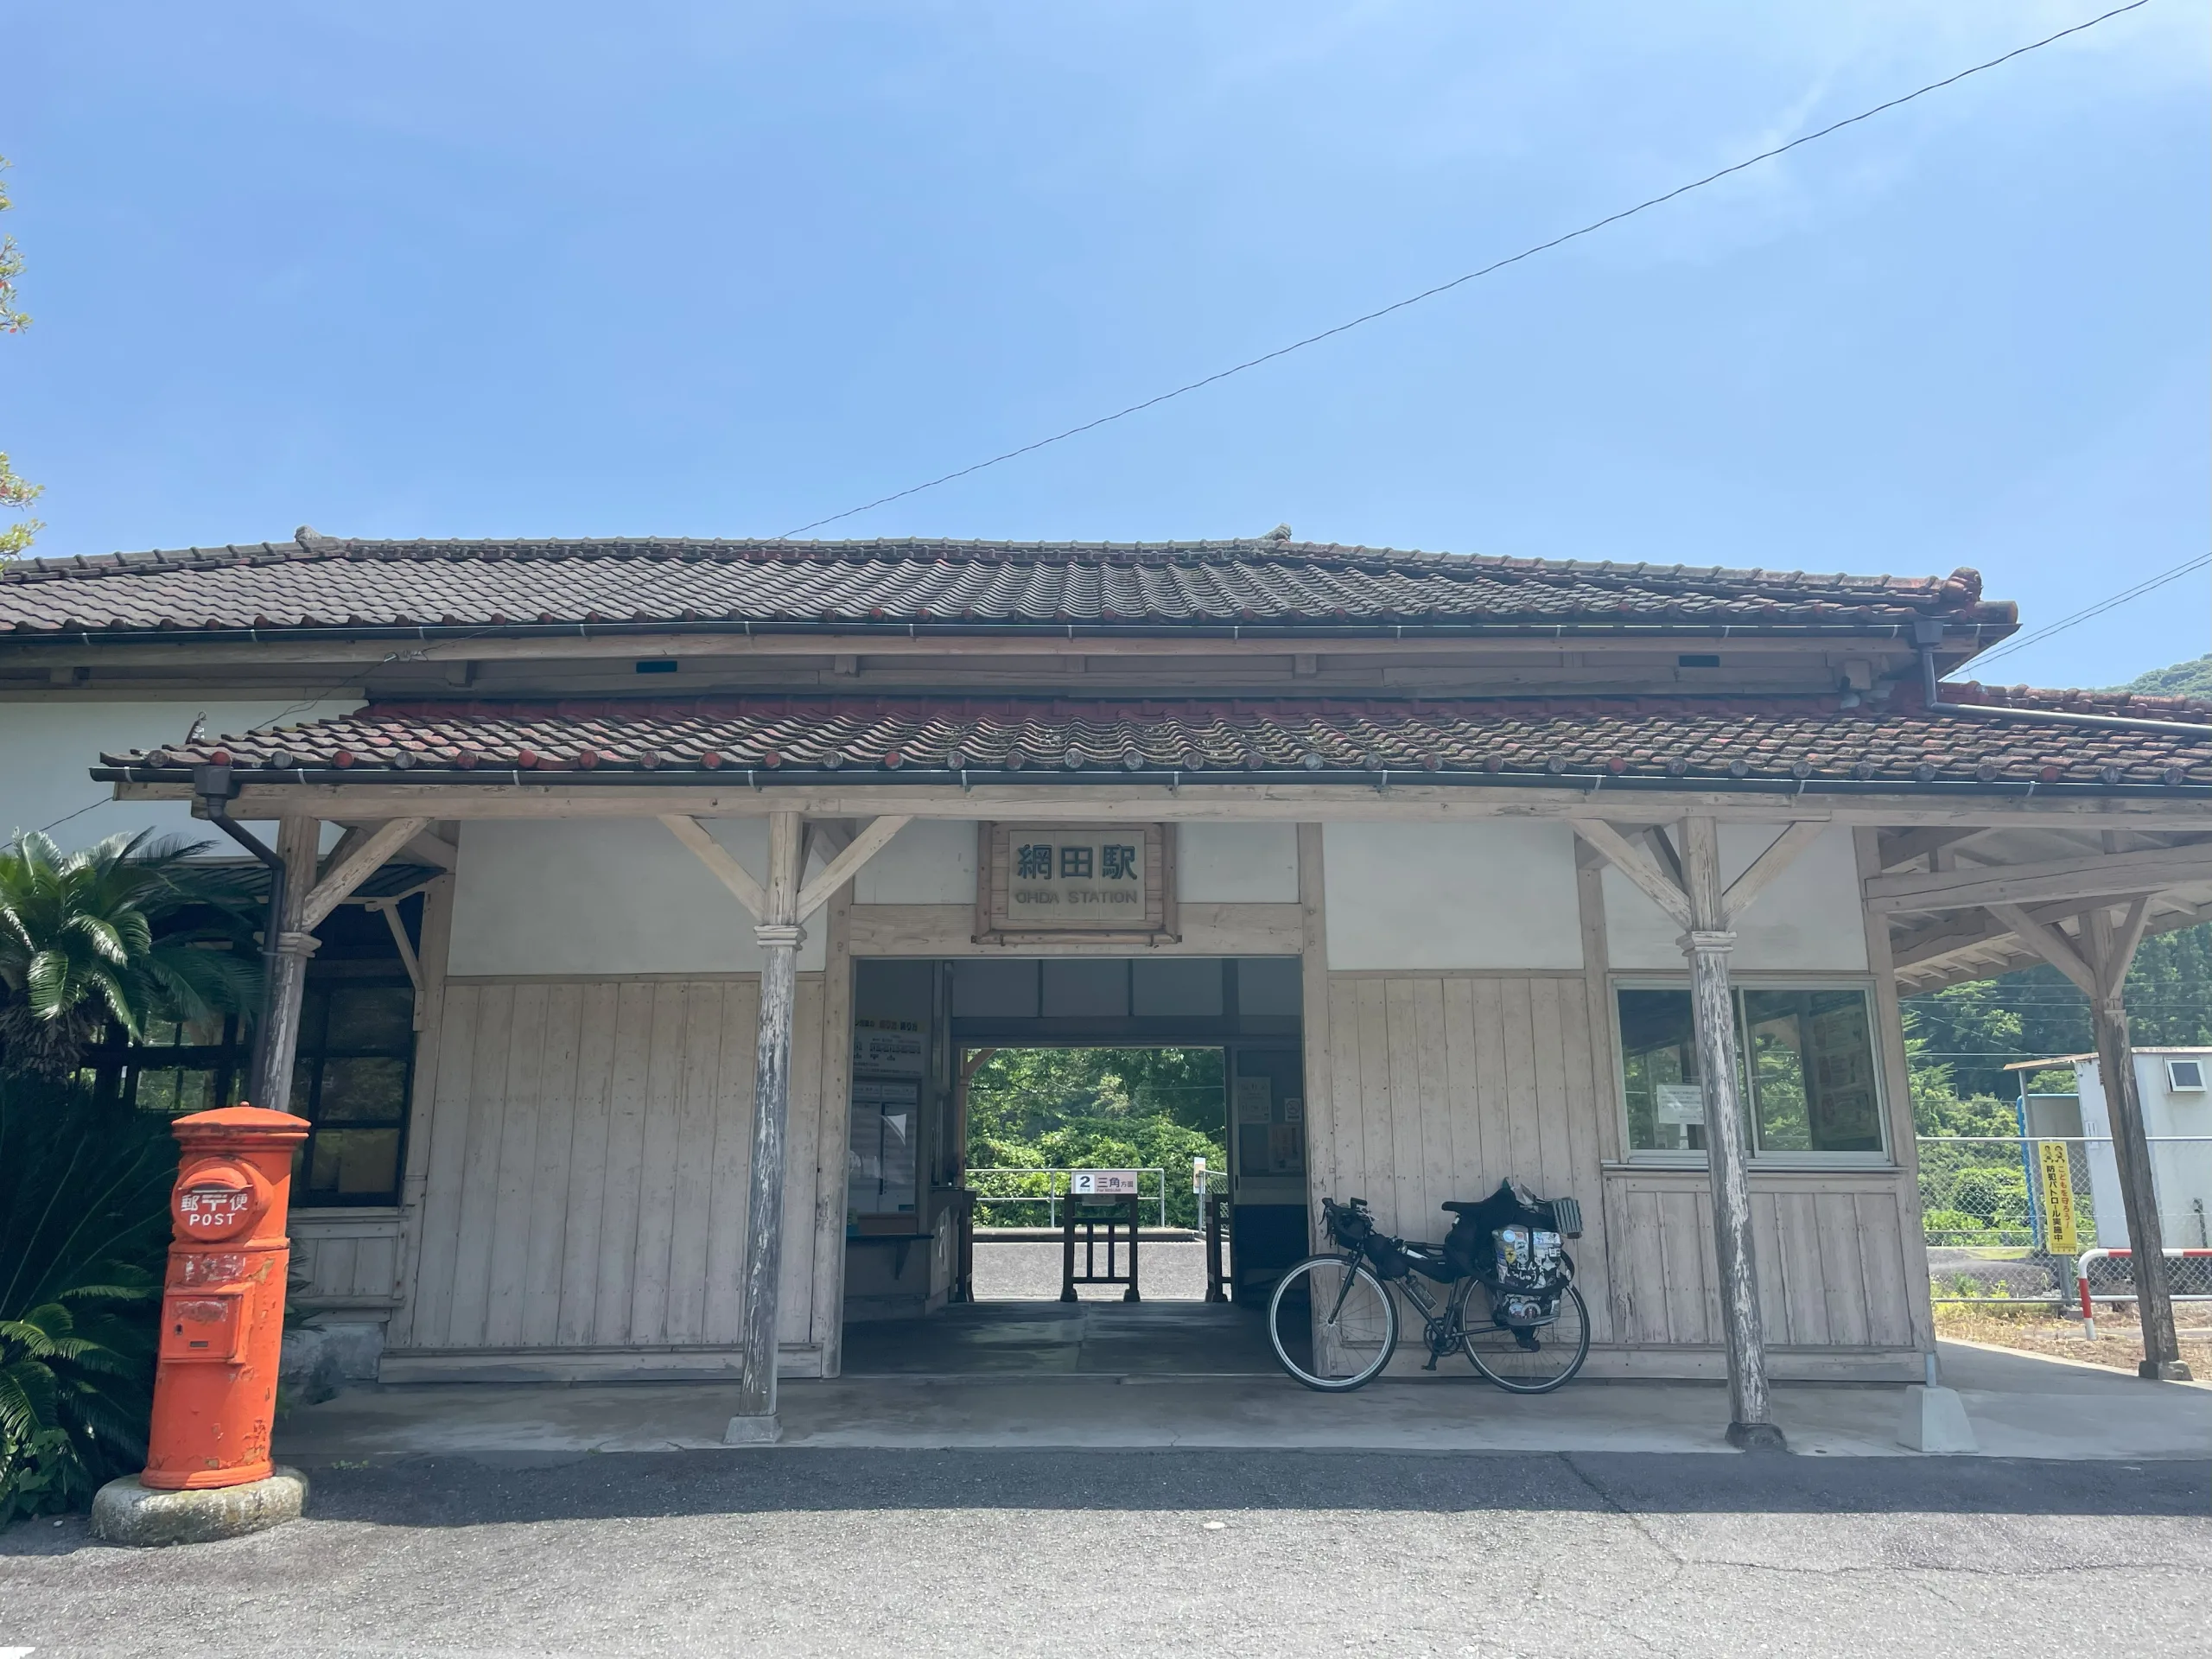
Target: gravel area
1169 1270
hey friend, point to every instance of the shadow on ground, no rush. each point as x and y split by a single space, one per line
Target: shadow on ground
442 1492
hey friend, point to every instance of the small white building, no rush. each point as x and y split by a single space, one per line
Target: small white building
2175 1086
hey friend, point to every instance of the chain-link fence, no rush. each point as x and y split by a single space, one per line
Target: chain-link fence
2006 1217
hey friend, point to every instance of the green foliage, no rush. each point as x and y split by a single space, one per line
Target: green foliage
128 931
1976 1029
1097 1109
2190 679
1937 1107
84 1228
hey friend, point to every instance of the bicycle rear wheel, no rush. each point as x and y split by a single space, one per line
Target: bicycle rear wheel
1332 1323
1515 1365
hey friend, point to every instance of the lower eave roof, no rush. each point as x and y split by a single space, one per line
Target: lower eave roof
1811 742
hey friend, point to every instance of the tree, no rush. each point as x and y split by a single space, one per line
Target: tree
16 494
129 930
1975 1029
1099 1108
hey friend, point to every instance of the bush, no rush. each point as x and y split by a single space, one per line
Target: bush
84 1231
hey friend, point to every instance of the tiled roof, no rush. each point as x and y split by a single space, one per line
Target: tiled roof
1782 741
325 584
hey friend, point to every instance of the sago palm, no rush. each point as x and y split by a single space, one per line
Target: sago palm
104 934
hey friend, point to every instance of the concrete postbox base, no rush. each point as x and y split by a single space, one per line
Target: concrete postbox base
124 1512
1936 1421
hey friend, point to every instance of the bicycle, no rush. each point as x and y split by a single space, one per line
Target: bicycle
1334 1324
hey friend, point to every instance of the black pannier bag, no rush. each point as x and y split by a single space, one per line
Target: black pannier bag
1495 1241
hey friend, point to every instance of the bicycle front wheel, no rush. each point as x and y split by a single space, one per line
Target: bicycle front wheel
1332 1322
1534 1360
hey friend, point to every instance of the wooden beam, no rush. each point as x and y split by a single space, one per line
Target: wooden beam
1634 863
348 873
522 795
1662 849
1778 857
2051 945
716 857
2095 876
1961 930
825 838
864 847
434 848
2113 963
1908 846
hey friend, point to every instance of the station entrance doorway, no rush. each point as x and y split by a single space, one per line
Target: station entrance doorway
982 1088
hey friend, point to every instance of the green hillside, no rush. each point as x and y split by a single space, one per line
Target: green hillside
2192 679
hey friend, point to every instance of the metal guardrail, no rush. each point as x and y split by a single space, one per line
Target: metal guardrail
2189 1271
1049 1187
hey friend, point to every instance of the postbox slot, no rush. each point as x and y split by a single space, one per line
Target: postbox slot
204 1326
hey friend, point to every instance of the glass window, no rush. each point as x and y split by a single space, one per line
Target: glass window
1811 1058
356 1056
1807 1081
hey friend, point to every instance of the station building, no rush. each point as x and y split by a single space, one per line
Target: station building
589 848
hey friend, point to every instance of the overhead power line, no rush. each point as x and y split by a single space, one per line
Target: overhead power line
2021 642
1595 225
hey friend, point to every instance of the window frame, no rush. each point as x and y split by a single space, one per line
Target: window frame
1883 1158
309 1103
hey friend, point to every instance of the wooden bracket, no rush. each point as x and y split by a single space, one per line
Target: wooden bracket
348 872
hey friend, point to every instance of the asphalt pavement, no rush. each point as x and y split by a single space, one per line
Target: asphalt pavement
1004 1552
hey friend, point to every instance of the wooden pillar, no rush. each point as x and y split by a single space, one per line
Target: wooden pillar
1707 944
285 971
2110 956
779 934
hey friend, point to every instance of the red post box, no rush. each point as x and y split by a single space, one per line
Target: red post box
223 1305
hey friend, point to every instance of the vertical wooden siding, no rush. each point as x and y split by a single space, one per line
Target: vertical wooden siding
1831 1273
586 1179
1442 1085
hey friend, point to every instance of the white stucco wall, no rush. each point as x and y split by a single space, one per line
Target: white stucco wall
931 861
617 896
48 745
1451 895
1236 863
1808 918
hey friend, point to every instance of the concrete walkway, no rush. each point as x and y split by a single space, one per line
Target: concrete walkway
2020 1406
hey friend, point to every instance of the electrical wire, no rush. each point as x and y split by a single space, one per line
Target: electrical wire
1472 275
2021 642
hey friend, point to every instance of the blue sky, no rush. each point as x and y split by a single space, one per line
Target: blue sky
451 270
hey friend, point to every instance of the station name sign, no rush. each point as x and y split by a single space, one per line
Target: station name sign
1086 879
1060 874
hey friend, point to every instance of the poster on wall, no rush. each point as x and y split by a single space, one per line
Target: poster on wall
890 1048
1254 1100
1842 1067
1680 1103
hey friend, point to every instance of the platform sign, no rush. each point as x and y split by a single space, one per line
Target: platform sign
2059 1237
1102 1183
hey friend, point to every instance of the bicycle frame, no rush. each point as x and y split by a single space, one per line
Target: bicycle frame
1452 1310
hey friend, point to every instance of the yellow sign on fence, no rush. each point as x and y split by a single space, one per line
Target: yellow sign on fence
2058 1236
